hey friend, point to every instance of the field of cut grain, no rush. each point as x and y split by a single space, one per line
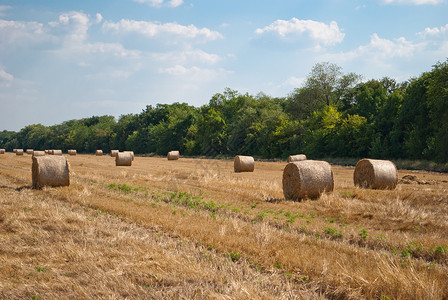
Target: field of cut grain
194 229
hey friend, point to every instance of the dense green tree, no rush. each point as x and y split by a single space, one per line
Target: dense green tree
332 114
438 112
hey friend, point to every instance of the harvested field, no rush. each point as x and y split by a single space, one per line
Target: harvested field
195 229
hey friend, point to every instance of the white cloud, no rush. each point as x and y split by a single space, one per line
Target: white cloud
159 3
293 81
156 29
6 79
435 31
319 32
182 57
176 3
195 75
379 50
16 32
98 17
112 48
388 48
73 26
178 70
417 2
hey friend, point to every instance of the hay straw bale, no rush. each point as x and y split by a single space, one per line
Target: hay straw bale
50 171
113 153
19 151
71 152
29 151
38 153
132 154
14 150
173 155
123 159
298 157
99 153
307 179
50 152
57 152
2 151
243 163
375 174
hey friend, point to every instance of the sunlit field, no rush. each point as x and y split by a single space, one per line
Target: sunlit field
194 229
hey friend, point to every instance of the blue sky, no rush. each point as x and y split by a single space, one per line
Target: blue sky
63 60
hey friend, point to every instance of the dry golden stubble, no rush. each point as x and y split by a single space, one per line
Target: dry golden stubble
358 200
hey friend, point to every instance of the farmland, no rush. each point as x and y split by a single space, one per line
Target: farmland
193 228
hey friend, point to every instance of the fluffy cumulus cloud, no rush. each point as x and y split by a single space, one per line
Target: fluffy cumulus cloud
435 31
176 3
158 3
378 49
156 29
72 25
385 48
413 2
17 32
327 34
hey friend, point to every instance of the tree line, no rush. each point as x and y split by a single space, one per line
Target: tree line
332 115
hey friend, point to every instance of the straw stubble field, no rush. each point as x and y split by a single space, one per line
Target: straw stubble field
194 229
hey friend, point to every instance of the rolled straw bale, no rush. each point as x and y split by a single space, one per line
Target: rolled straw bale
173 155
132 154
297 157
50 171
29 151
57 152
307 179
99 153
243 163
14 150
123 159
71 152
50 152
375 174
2 151
19 151
113 153
47 151
38 153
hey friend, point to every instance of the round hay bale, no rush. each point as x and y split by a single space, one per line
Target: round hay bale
307 179
113 153
38 153
50 152
99 153
2 151
14 150
57 152
243 163
173 155
123 159
298 157
71 152
50 171
375 174
19 151
132 154
47 151
29 151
